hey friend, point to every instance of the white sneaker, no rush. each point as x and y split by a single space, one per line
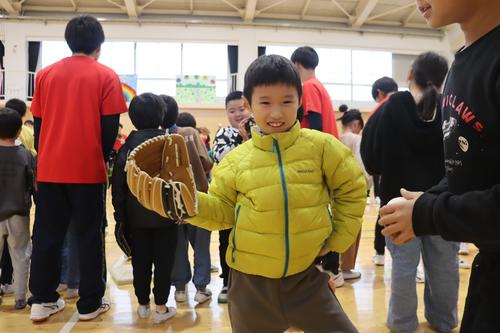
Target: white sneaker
7 289
378 260
161 317
42 311
464 265
144 311
105 306
180 296
71 293
420 278
337 278
203 295
351 275
464 249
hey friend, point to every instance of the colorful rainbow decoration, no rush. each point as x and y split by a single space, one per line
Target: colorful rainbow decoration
128 92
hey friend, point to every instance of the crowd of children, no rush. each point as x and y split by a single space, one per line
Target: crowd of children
286 196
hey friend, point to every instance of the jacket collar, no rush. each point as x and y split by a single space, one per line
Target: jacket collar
284 139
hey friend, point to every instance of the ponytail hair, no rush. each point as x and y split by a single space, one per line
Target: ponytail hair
343 108
429 70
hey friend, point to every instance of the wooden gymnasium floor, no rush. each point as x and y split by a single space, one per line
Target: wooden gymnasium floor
365 300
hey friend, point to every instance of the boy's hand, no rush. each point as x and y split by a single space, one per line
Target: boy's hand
331 284
242 129
324 250
396 218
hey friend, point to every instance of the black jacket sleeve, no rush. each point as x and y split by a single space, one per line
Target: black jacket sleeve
37 126
315 121
470 217
371 142
109 131
119 188
119 192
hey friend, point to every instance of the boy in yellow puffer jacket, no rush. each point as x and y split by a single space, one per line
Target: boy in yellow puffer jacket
291 194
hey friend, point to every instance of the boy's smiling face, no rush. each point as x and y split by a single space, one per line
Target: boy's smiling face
236 112
275 107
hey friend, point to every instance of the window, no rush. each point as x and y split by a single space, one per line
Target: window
53 51
347 74
285 51
119 56
156 64
158 60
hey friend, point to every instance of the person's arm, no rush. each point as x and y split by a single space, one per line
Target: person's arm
119 187
471 217
315 121
371 148
109 131
347 186
311 105
202 153
119 192
217 208
37 125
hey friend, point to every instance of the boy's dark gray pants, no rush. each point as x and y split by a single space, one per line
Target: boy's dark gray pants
304 301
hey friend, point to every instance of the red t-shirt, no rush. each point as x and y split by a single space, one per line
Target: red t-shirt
316 98
70 97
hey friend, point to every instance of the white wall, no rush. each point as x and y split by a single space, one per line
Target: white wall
16 35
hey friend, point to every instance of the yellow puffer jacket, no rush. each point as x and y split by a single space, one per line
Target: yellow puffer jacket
275 192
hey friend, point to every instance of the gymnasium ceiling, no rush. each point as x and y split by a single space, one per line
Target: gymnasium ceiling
358 15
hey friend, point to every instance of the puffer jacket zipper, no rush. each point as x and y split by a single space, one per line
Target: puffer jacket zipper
285 194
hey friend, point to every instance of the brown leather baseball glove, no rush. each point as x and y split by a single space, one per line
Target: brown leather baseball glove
159 175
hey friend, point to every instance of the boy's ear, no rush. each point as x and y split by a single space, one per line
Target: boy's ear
246 104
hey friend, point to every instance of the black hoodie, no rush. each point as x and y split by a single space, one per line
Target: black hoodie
466 205
405 150
128 211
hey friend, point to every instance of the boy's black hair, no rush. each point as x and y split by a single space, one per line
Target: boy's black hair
271 69
386 84
352 115
146 111
84 34
10 123
306 56
171 111
186 119
233 96
17 105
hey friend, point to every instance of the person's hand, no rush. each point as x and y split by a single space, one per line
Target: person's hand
396 218
243 131
331 284
324 250
331 281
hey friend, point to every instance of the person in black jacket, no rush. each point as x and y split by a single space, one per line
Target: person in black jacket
464 206
403 143
148 237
